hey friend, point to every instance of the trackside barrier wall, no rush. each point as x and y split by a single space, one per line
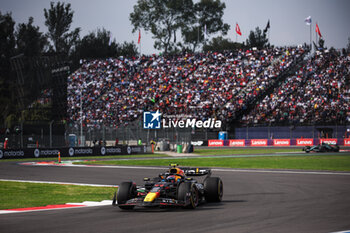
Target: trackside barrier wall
278 142
290 132
73 151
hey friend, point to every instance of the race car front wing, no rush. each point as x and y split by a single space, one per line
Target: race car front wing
139 201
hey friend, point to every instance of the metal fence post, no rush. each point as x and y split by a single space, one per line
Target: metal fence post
51 122
22 134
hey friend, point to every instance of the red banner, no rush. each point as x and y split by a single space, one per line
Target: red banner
346 142
237 142
258 142
281 142
305 142
216 143
330 141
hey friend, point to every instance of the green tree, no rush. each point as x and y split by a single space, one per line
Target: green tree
58 20
257 39
162 18
127 49
222 44
30 41
97 44
207 15
7 49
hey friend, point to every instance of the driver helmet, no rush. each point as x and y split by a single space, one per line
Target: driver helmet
176 171
173 178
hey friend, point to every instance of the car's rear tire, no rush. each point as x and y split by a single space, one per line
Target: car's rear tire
187 187
125 192
213 189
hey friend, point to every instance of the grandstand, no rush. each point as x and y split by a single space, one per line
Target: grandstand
282 86
116 91
318 93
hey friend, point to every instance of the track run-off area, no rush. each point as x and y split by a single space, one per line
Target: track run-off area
255 200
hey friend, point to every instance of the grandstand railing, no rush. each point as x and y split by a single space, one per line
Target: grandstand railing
134 132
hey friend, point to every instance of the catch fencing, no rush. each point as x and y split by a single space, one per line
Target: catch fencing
56 135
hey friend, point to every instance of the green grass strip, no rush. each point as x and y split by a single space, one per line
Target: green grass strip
21 195
244 151
308 162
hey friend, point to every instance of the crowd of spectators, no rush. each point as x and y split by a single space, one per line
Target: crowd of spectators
116 91
319 92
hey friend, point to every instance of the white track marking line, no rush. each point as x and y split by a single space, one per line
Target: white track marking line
64 183
78 205
93 203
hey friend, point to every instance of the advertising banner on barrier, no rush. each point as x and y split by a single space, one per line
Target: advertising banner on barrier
199 143
305 142
215 142
46 153
258 142
331 141
72 151
237 143
281 142
347 142
7 154
80 151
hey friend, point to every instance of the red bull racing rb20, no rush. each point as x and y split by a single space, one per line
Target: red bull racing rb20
174 188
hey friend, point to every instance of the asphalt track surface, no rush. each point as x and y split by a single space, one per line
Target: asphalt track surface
254 201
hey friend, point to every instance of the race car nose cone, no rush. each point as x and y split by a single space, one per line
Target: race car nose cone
151 196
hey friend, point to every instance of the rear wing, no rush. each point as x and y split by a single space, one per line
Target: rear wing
195 171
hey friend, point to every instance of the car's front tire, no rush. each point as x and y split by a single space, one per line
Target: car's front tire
213 189
184 189
125 192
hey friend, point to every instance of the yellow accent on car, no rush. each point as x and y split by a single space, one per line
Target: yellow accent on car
150 197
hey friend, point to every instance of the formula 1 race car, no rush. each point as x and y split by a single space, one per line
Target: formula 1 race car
321 148
174 188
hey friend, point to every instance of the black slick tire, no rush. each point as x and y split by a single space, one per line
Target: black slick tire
125 192
190 200
213 189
